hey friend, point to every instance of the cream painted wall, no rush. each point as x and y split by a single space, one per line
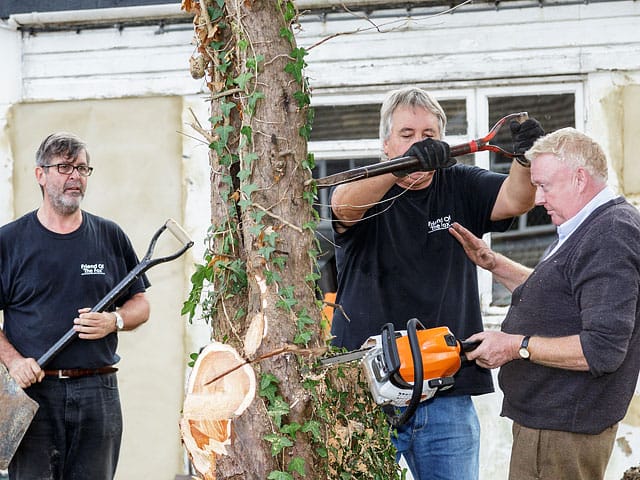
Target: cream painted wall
137 152
631 136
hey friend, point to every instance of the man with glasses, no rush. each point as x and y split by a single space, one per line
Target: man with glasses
55 264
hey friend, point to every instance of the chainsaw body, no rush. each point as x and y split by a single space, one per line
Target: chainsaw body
389 367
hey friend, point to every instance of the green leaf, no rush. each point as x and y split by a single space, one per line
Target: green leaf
277 409
226 108
302 338
312 427
287 34
291 429
249 158
278 475
254 62
297 465
278 443
248 133
244 174
253 99
242 79
289 12
248 189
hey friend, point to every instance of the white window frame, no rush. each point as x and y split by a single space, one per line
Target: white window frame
477 110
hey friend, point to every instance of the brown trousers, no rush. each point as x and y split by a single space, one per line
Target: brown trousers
555 455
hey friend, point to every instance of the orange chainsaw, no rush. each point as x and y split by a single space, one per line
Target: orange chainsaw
407 367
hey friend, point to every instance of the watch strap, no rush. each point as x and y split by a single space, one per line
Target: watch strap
119 320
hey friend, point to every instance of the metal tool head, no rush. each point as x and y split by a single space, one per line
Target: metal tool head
16 414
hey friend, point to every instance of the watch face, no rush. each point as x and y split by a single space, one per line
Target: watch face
524 353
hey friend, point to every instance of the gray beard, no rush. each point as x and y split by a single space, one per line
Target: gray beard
64 205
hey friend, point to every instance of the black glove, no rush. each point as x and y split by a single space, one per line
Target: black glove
431 154
523 135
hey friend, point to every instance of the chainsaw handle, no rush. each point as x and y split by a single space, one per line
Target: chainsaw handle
145 264
405 163
418 375
466 346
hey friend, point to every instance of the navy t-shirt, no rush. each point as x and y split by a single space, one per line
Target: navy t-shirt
45 277
401 262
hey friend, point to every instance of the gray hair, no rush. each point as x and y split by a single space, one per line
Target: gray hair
409 97
573 149
63 144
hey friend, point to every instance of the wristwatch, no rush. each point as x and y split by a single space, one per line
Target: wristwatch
119 320
524 348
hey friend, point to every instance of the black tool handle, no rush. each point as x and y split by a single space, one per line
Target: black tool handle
145 264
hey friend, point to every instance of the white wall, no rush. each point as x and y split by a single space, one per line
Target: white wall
596 44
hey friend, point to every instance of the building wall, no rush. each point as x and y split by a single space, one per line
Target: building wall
132 83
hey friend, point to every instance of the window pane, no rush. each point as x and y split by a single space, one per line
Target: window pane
355 122
345 122
552 111
530 234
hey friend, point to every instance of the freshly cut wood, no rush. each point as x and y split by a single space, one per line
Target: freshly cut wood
221 386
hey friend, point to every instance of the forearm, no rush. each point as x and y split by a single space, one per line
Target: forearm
560 352
135 311
8 353
498 348
509 273
517 194
349 202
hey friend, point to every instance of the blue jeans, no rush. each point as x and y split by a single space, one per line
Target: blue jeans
442 440
76 432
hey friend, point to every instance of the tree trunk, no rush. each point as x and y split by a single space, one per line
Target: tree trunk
258 210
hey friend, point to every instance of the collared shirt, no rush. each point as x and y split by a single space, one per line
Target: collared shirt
570 226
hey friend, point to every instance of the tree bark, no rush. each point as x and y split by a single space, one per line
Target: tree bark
268 205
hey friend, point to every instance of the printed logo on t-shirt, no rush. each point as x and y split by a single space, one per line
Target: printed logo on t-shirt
92 268
442 223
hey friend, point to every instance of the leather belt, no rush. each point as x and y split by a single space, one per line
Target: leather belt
79 372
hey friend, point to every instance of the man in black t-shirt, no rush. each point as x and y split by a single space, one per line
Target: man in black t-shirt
396 261
56 263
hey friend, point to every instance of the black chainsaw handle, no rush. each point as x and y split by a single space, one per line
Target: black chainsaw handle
145 264
418 376
466 346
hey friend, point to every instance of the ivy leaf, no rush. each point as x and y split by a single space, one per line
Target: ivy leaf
242 79
226 108
252 63
278 475
278 443
287 34
250 157
297 465
291 429
277 409
302 338
253 99
249 189
312 427
247 132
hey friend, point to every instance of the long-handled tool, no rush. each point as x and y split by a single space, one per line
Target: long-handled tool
405 368
17 409
405 163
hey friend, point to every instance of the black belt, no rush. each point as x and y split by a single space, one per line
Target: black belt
79 372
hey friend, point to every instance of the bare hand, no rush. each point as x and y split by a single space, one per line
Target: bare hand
475 248
94 325
495 349
25 371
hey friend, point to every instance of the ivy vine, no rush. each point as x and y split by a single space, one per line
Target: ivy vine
348 431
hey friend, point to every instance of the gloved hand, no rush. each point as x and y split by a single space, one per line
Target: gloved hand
523 135
431 154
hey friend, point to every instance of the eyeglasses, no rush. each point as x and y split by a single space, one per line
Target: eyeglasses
67 169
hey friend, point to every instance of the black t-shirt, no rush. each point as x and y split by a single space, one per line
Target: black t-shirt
401 262
46 277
